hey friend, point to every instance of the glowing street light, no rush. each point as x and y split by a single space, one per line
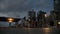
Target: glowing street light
45 15
58 22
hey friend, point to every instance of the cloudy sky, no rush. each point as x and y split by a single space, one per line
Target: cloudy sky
19 8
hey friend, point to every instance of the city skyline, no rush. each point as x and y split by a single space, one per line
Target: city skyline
20 8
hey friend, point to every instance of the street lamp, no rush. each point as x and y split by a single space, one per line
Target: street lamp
45 15
58 25
46 19
58 22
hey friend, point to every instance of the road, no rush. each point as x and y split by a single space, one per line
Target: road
29 31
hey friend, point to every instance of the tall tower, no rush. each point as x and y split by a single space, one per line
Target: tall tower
32 17
41 18
57 5
57 10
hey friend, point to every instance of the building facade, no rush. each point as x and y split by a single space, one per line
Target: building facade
57 10
32 17
41 18
55 14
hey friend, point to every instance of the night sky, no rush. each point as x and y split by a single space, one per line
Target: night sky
20 8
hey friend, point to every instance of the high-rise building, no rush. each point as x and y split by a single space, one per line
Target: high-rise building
41 18
55 14
57 8
52 18
57 5
32 17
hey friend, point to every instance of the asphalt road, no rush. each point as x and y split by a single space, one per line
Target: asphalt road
29 31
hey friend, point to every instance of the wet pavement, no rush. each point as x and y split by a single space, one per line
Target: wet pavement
29 30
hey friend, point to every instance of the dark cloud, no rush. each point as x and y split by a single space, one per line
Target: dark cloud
11 7
23 5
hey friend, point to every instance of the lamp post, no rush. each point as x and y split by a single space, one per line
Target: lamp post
45 15
46 19
29 19
58 24
10 20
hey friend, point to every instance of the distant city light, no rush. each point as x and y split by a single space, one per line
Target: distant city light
10 19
